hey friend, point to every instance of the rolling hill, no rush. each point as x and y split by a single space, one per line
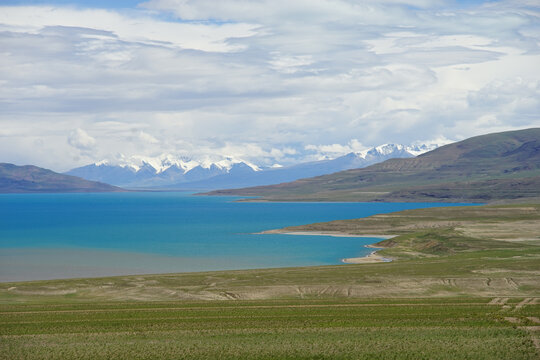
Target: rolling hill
484 168
33 179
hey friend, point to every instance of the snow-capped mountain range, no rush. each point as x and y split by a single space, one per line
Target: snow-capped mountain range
175 172
165 170
166 161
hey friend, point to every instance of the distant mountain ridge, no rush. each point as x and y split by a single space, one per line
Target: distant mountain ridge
489 167
161 171
171 172
33 179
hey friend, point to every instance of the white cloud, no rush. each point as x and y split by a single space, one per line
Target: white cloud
273 81
147 138
289 64
135 27
332 151
80 139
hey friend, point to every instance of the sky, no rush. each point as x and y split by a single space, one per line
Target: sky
268 81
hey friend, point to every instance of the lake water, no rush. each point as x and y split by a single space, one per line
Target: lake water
47 236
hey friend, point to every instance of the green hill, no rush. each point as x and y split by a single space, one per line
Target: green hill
484 168
33 179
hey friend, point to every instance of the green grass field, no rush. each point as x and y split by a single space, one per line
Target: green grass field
287 329
465 284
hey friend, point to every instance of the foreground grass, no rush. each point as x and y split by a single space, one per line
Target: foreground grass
279 329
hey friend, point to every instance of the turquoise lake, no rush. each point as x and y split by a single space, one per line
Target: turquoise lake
47 236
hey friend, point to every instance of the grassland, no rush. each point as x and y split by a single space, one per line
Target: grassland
292 329
464 283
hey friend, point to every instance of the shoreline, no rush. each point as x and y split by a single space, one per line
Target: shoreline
371 258
325 233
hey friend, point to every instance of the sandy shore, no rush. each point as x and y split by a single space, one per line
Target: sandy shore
321 233
373 257
369 259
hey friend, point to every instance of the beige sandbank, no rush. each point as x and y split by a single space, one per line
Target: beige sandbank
373 257
329 233
369 259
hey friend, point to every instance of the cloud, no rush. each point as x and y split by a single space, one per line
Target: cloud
331 151
80 139
147 138
284 11
138 27
274 81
